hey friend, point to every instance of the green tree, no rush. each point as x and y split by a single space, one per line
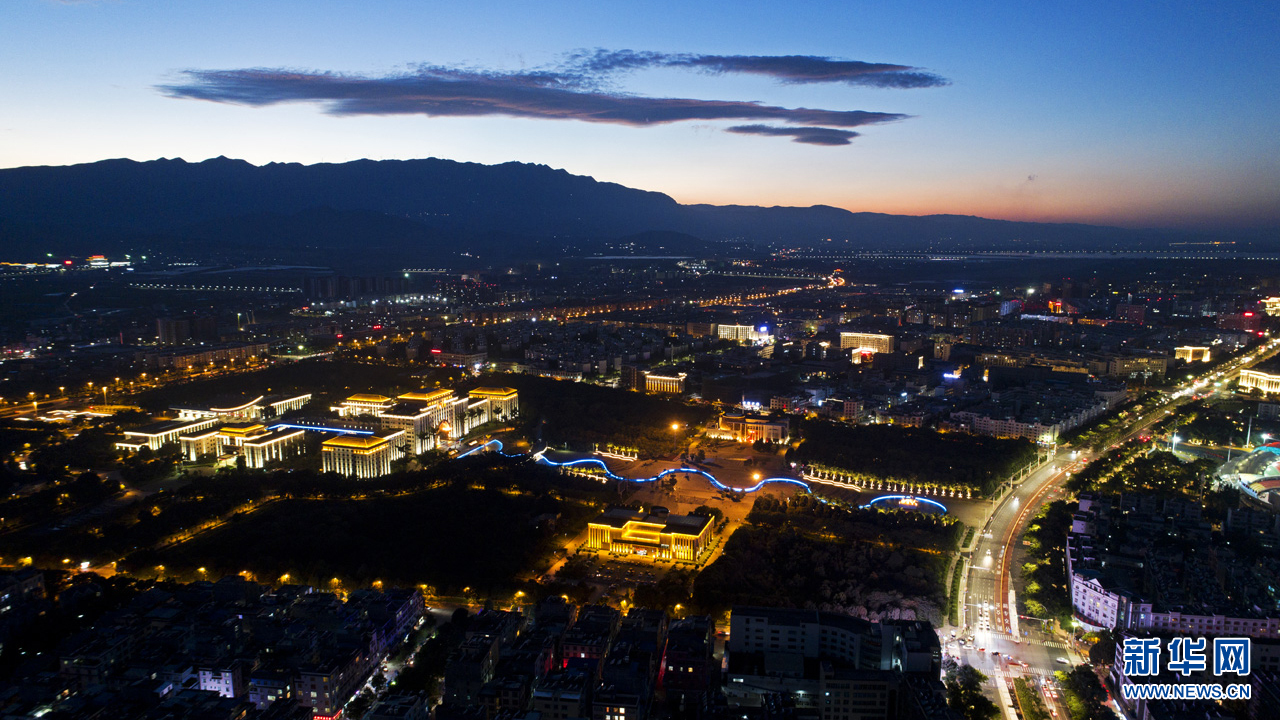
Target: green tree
964 694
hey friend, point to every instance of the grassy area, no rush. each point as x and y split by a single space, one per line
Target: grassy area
953 600
912 455
1083 693
1045 572
581 415
449 537
1032 705
463 523
907 529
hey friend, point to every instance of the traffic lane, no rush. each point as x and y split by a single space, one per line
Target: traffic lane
1015 511
1006 551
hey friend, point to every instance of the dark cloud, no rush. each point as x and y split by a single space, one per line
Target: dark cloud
806 135
441 92
578 88
591 65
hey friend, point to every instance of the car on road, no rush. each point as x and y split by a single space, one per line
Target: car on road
1064 661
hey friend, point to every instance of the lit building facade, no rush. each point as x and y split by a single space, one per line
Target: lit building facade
278 445
442 408
500 403
1192 353
416 422
365 404
196 358
363 456
254 441
259 408
673 384
743 333
867 342
749 428
1264 382
656 534
157 435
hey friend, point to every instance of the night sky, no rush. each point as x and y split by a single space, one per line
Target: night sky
1138 114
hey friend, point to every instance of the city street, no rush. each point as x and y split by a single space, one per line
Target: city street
1001 639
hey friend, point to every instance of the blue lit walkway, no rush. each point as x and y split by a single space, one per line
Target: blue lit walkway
540 457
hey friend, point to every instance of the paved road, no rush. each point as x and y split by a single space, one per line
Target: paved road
1001 640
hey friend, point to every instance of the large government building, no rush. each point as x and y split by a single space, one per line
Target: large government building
1265 379
743 427
368 434
363 456
656 534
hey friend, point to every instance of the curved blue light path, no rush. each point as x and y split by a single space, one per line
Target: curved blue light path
917 498
539 457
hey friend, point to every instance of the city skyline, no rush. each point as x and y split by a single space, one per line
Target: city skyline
1117 116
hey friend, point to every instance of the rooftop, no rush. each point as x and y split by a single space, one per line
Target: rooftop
619 517
428 396
494 391
368 398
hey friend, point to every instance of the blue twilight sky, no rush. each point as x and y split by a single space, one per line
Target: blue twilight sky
1129 113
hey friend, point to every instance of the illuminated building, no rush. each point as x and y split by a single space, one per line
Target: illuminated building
1191 353
460 359
1263 381
157 435
365 404
1135 366
200 444
200 357
276 445
442 409
656 534
749 428
496 402
416 422
454 416
864 343
363 456
263 406
254 441
743 333
1271 305
1257 475
673 384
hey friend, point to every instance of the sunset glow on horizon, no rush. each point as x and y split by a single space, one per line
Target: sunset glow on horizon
1103 115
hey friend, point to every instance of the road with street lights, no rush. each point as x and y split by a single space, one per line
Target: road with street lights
998 641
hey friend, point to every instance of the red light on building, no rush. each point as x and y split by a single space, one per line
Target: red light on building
66 262
339 336
436 351
377 327
1248 314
